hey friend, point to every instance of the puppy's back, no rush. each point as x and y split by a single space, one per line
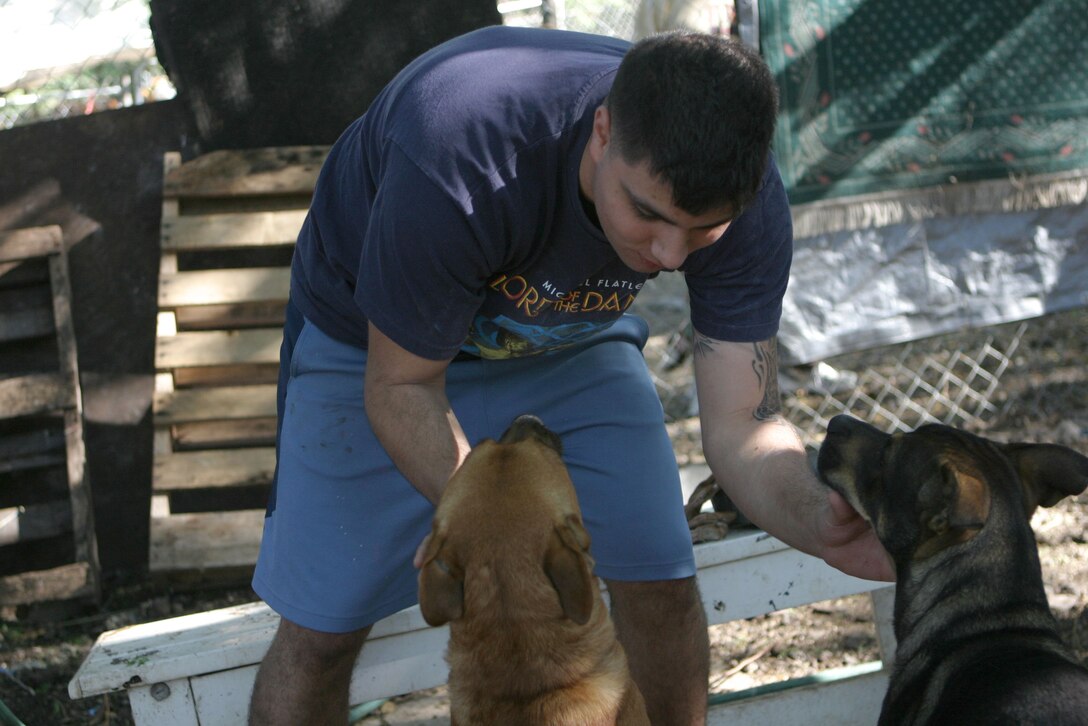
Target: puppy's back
1018 686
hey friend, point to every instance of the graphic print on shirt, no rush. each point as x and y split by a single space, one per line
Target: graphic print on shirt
522 317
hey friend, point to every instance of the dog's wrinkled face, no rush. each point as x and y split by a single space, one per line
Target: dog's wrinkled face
935 487
509 520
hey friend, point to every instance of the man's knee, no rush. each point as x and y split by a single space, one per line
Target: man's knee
304 677
649 594
316 648
654 600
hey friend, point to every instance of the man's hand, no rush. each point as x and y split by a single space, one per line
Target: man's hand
851 544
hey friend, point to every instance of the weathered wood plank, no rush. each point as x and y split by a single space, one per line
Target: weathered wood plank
75 226
25 207
211 404
176 648
241 315
216 468
227 375
34 394
22 244
224 434
205 541
79 485
66 582
212 287
67 358
226 231
79 494
275 170
210 348
219 357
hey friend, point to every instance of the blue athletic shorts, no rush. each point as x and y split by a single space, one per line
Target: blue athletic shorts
343 524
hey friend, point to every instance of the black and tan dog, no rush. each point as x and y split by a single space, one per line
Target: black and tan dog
507 566
977 643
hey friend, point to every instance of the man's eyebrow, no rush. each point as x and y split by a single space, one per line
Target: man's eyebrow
640 202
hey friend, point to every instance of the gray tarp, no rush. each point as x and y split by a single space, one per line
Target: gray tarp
935 270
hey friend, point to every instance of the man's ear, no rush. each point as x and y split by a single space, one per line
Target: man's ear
567 565
1048 473
602 133
441 588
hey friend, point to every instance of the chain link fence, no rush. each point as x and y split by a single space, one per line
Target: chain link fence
951 380
1028 376
61 58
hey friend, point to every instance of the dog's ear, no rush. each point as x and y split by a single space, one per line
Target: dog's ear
441 589
1048 473
567 565
955 506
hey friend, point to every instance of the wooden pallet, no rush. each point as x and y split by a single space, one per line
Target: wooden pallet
229 224
47 536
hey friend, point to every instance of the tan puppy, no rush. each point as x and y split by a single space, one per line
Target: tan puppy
507 566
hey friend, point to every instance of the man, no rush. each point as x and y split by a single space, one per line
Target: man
472 245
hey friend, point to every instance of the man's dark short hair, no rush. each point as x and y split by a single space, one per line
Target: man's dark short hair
701 110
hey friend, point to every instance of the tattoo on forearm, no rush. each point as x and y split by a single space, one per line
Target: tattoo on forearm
765 365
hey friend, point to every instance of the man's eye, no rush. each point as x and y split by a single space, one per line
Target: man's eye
645 213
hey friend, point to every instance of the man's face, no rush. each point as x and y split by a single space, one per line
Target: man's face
636 211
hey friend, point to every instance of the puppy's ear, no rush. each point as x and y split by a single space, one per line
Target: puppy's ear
955 506
1048 473
567 565
441 589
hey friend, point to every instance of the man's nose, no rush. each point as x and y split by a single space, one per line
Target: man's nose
670 248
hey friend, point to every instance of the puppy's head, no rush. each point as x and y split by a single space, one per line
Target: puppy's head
936 487
509 520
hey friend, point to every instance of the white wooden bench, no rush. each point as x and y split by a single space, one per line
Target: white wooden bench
198 670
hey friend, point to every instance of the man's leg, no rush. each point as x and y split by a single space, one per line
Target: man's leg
338 541
662 627
304 678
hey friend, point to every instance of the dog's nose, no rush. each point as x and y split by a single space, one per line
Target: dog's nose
844 426
839 425
523 426
529 426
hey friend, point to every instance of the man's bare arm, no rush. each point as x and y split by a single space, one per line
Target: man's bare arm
758 458
405 397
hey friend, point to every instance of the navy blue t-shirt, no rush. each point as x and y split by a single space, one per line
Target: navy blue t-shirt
449 214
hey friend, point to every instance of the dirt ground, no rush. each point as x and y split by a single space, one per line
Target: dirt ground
40 651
